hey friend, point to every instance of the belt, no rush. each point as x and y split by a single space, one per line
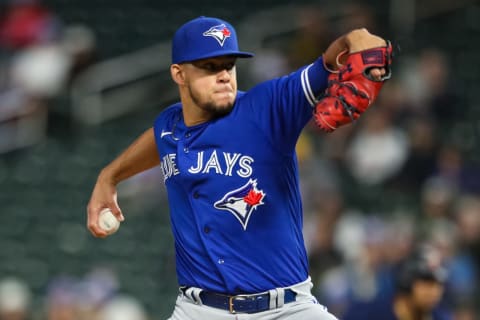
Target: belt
244 303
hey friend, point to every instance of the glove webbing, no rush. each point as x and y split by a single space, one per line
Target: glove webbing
348 109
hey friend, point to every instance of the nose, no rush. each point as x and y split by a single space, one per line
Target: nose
224 76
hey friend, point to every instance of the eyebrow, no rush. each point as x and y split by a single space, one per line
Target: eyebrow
205 65
215 61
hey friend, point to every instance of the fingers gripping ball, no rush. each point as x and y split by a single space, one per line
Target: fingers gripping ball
107 221
353 89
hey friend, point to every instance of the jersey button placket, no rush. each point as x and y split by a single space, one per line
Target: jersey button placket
187 135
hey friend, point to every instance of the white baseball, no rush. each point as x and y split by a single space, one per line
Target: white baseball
108 221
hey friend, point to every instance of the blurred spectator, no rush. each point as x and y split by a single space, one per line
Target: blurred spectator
61 299
311 39
71 298
26 23
30 32
436 198
430 89
419 284
452 166
352 15
378 150
93 291
465 264
41 71
268 63
440 93
28 72
334 148
123 307
461 284
306 44
465 313
420 162
15 299
364 275
79 43
23 120
38 58
467 218
400 239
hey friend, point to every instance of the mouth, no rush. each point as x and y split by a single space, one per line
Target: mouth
224 90
224 94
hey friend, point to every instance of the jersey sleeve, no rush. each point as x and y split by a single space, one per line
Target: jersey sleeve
282 107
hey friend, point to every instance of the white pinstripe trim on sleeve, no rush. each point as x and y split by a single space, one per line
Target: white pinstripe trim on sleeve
307 90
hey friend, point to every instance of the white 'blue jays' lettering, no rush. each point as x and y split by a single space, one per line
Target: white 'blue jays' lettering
224 166
169 167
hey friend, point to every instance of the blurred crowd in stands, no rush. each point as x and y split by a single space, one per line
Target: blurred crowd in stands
39 56
373 191
397 179
93 297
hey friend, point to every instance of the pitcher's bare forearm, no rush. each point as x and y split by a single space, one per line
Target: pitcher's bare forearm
141 155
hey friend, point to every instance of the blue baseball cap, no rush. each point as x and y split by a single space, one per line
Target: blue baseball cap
203 38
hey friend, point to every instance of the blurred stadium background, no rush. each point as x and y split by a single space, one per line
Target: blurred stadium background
79 80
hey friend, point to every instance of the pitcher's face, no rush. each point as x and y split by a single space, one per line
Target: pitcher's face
212 84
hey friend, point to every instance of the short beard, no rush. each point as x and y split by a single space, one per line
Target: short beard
215 110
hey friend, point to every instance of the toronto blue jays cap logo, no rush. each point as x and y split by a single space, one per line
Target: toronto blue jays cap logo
242 201
194 40
219 33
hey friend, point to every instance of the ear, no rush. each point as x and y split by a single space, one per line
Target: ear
177 74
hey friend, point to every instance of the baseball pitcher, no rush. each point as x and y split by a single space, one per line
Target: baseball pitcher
230 170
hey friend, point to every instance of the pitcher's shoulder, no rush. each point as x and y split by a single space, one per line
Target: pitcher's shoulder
168 113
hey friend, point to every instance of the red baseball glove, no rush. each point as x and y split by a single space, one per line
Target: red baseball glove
363 67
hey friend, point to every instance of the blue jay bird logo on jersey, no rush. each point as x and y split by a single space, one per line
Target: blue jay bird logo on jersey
242 201
219 33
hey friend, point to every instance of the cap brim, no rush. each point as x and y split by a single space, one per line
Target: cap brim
220 53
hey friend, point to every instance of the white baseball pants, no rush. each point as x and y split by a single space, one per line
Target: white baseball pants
305 307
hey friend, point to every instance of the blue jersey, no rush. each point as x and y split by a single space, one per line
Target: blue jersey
233 189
